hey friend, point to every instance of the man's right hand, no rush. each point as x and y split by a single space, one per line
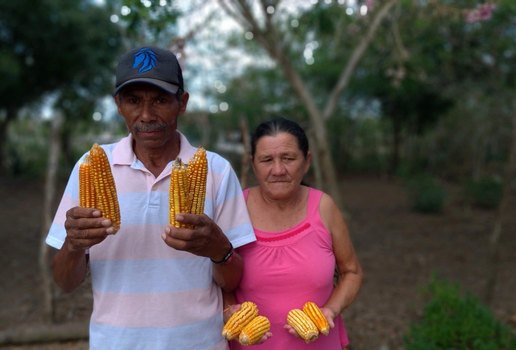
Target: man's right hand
86 227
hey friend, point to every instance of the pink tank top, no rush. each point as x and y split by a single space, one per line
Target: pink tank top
283 270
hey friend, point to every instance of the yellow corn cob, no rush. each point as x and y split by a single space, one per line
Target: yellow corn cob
254 330
86 190
314 312
104 185
187 191
303 325
237 321
178 198
197 174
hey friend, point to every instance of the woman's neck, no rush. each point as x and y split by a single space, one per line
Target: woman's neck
286 204
273 215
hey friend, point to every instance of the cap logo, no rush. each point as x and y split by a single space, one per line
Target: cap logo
145 59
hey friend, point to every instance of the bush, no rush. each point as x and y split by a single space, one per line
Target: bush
483 193
454 321
426 195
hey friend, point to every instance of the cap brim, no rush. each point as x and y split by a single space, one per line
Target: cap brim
170 88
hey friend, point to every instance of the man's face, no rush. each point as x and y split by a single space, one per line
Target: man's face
150 114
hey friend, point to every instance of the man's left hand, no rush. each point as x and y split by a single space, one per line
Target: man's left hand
204 239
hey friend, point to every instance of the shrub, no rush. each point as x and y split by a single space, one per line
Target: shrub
454 321
483 193
426 195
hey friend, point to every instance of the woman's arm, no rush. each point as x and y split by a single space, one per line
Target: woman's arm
349 271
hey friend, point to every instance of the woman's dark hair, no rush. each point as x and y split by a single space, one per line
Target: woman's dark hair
276 126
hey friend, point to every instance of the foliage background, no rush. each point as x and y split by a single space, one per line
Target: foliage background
429 105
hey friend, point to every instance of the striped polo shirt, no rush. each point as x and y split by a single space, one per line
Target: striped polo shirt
148 295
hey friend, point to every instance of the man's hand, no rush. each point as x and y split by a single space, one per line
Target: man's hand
204 239
86 227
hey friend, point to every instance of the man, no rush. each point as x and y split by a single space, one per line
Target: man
154 286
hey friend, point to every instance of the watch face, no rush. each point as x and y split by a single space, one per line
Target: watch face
230 258
227 257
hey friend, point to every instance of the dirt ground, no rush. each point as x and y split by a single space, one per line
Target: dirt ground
399 250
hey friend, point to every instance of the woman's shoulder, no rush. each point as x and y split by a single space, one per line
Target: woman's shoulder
323 196
327 208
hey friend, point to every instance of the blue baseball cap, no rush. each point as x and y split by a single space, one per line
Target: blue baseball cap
150 65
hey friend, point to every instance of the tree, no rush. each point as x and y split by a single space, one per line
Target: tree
53 47
265 23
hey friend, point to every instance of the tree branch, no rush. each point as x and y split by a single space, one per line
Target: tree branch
357 54
236 15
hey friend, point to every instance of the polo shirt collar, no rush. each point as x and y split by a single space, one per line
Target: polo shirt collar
123 153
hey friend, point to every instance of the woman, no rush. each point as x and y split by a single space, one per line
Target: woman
302 239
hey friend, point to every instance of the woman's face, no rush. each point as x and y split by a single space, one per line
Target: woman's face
279 165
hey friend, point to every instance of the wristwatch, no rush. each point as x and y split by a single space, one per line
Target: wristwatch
227 257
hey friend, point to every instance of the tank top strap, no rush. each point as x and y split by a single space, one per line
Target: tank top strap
314 199
246 194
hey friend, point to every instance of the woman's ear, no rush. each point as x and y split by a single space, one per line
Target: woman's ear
308 160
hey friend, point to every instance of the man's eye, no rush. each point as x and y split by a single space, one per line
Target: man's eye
162 100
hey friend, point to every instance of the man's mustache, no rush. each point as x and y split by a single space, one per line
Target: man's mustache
150 127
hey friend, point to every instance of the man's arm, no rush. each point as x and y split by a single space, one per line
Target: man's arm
227 271
69 267
85 227
207 239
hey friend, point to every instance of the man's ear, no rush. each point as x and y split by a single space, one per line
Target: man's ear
183 101
117 101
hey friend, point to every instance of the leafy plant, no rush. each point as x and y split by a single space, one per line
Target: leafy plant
484 193
452 320
426 194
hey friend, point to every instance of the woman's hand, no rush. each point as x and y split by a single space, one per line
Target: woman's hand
292 331
230 310
327 312
330 316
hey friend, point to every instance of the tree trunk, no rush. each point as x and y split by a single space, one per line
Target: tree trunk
316 164
396 146
4 124
501 215
246 156
319 130
54 152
